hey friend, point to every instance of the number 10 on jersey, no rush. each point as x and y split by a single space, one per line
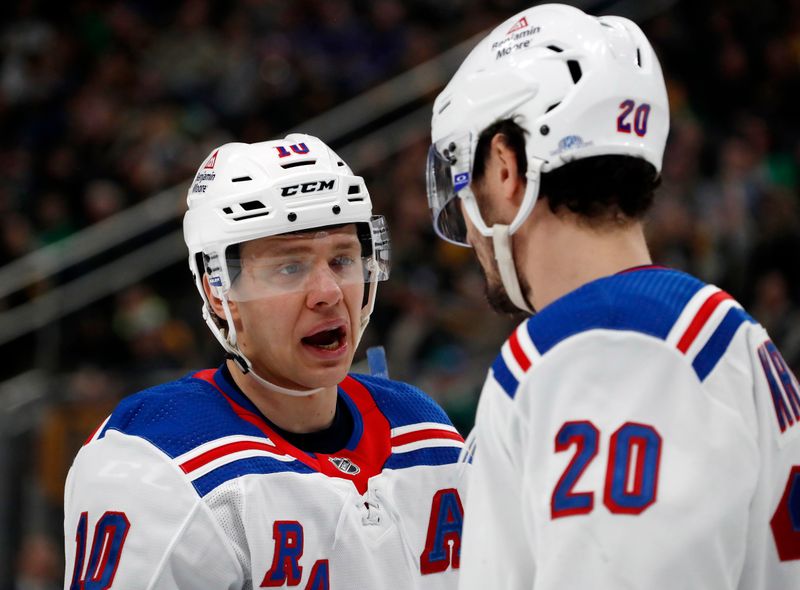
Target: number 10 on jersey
631 473
104 552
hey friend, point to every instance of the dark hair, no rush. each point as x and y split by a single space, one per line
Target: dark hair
599 188
515 139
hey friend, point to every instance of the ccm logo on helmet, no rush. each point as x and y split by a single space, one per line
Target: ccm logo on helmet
304 188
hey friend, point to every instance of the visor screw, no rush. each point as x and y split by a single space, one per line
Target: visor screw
292 216
544 129
337 209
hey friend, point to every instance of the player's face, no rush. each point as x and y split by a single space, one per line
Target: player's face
484 249
300 323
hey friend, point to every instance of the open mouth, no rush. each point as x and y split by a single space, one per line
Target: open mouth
327 339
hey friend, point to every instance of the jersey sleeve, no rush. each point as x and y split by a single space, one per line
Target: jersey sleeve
494 536
132 520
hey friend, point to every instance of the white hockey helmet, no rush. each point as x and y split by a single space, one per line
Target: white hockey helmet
244 191
579 85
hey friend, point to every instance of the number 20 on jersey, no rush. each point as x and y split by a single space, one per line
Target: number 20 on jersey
631 471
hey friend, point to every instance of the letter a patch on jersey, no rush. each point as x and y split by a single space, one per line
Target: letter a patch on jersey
285 568
443 543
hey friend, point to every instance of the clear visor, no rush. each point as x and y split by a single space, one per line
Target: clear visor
337 257
448 173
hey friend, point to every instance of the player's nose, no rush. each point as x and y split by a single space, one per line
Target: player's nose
323 288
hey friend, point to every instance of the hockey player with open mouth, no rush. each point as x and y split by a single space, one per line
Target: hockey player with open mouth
279 468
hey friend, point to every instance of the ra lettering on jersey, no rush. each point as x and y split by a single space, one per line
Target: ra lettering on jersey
319 578
443 542
286 569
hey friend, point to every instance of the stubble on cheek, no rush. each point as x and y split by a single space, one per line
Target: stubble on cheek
494 291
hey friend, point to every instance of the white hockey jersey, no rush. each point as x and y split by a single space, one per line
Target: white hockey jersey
641 432
185 486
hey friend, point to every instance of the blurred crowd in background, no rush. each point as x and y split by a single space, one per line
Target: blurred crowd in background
103 104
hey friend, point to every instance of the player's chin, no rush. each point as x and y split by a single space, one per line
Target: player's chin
325 370
315 377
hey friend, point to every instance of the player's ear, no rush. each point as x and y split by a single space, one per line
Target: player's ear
503 167
214 301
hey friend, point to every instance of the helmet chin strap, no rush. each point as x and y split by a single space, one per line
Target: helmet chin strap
373 289
501 238
271 386
230 344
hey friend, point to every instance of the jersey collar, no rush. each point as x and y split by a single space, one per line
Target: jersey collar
368 448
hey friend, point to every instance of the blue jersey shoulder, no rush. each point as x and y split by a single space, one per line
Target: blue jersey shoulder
401 403
178 416
647 301
405 405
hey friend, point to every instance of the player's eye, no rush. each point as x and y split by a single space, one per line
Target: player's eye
343 261
279 272
290 269
346 266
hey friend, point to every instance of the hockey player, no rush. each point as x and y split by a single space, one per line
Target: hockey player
278 468
640 431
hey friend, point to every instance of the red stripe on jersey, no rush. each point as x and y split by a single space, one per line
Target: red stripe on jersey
205 375
94 432
516 350
642 267
428 433
228 449
700 319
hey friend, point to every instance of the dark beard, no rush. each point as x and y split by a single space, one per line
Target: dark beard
498 298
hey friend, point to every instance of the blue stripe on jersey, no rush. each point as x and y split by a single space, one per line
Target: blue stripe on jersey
648 301
249 466
358 421
712 352
504 376
426 456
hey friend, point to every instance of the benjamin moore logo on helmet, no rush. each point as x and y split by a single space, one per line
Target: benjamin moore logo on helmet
515 39
520 24
304 188
212 161
201 178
